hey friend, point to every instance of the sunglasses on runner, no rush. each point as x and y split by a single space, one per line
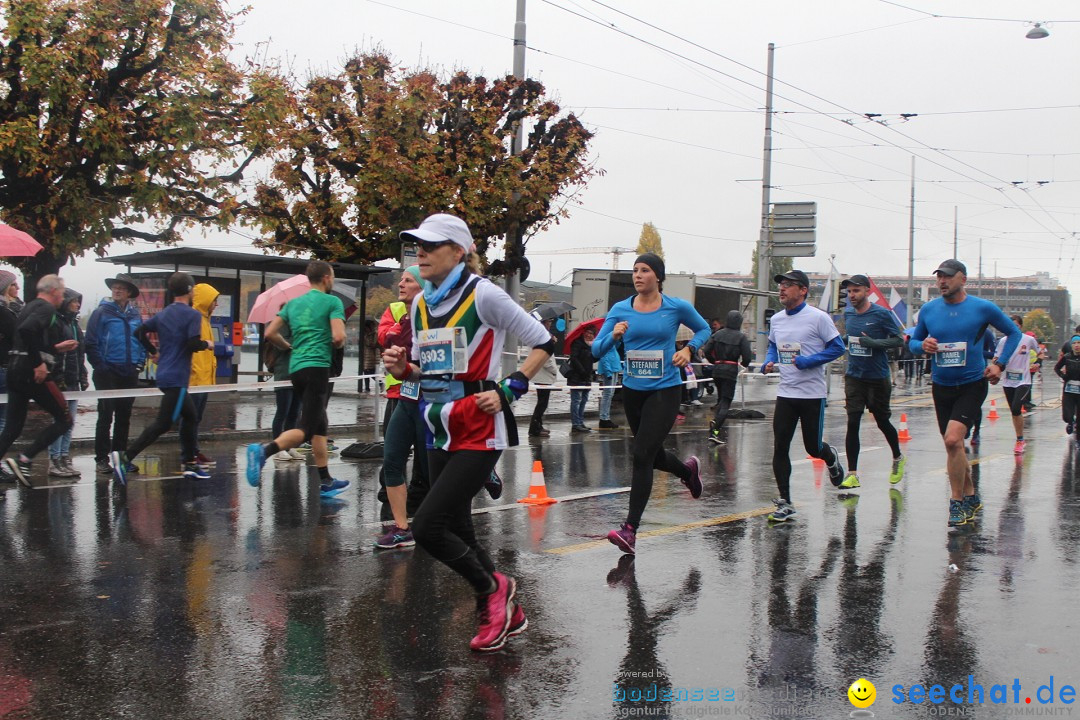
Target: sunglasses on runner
430 247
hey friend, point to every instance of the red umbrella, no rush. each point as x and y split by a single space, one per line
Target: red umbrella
16 243
577 332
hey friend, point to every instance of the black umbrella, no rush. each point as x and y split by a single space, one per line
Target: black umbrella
550 311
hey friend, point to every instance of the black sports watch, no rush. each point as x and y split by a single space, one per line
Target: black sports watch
1000 365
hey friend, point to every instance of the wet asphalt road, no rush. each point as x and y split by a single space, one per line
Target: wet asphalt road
174 599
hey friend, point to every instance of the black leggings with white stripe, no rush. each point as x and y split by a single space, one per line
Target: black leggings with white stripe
789 413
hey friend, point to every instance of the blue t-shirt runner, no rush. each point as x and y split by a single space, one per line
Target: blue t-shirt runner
179 329
176 326
868 357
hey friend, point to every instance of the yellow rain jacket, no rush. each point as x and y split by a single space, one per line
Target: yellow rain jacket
204 363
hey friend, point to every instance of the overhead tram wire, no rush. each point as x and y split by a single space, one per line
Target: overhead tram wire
558 56
807 112
638 79
852 183
731 152
611 26
1010 205
810 109
849 34
956 190
668 230
967 17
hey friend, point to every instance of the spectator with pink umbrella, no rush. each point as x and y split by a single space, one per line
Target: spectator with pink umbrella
8 316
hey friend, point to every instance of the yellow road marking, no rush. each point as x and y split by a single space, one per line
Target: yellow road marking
711 522
734 517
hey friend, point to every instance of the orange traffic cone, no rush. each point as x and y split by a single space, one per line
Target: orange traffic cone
814 460
903 435
993 414
537 488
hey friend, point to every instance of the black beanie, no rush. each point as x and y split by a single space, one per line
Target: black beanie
654 261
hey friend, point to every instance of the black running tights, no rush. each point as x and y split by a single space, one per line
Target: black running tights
651 414
443 523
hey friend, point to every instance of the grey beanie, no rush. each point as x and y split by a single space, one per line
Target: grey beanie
6 278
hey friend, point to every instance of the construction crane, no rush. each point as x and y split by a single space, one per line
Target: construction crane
614 252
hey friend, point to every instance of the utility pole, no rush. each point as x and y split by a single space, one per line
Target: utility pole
513 238
954 233
980 265
763 279
911 251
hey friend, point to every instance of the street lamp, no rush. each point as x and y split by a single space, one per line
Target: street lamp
1037 33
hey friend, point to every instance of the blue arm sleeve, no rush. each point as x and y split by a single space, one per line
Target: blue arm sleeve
771 355
604 341
833 350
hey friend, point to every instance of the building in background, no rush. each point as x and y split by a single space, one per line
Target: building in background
1020 294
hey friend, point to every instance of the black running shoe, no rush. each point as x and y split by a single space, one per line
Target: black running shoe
836 470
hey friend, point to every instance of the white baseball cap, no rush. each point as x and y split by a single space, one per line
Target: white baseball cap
442 227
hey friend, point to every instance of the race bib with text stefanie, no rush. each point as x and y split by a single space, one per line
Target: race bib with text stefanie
645 363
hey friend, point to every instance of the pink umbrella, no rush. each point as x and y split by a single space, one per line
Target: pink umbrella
269 303
16 243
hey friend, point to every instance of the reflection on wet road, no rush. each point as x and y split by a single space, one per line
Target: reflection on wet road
179 599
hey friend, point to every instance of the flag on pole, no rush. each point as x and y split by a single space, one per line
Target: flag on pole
825 303
878 298
899 307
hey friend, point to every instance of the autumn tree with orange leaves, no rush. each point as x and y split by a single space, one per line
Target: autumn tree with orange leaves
375 149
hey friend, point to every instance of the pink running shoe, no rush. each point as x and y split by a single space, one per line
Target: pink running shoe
694 483
1020 446
623 538
518 622
493 615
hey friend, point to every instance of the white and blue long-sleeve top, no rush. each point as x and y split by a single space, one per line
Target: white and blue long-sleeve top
801 341
649 341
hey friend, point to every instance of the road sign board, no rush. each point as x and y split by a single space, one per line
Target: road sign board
793 223
794 208
793 250
793 237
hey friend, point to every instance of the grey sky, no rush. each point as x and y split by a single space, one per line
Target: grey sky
680 139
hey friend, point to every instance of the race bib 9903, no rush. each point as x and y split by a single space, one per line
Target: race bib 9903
442 351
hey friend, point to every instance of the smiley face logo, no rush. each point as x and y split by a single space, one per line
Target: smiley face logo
862 693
